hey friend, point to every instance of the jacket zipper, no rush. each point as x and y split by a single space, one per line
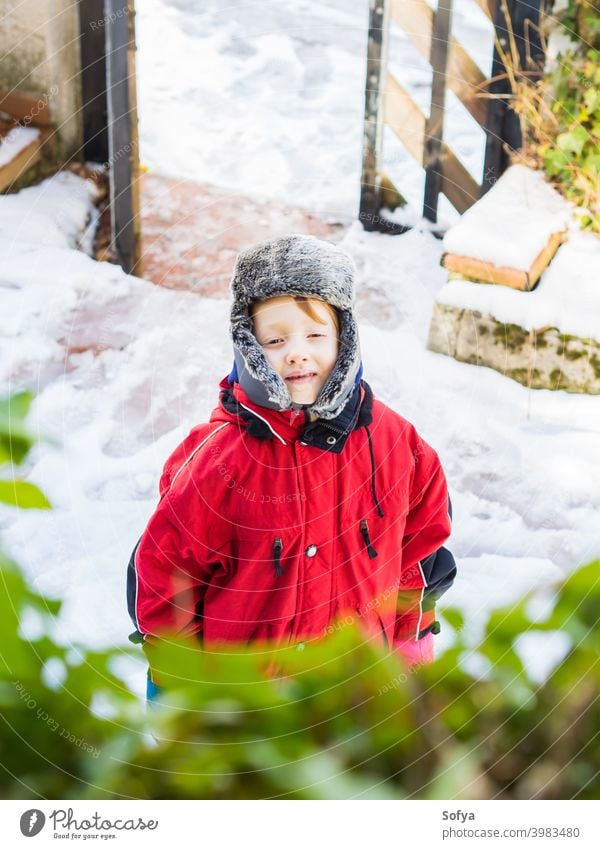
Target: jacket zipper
277 549
364 529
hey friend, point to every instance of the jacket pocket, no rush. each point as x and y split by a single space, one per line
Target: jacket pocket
374 626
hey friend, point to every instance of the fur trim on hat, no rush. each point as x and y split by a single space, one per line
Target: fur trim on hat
297 265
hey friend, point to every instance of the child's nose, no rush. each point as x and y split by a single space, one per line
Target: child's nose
296 357
296 353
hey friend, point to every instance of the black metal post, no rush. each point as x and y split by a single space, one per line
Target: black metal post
503 130
92 41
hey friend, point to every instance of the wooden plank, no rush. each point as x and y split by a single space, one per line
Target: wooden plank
26 157
544 257
370 200
92 45
406 120
26 108
488 7
486 272
464 77
123 149
434 128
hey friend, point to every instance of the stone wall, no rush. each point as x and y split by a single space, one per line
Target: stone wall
39 44
541 359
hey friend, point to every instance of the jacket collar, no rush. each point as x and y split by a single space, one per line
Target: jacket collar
289 425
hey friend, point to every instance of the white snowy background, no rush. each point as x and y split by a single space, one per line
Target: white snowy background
265 99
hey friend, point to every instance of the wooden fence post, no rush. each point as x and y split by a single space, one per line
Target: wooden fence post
370 203
123 133
434 128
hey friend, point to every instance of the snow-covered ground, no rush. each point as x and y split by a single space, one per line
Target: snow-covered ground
283 83
122 368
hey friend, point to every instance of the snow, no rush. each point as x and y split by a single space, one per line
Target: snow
56 216
15 141
512 223
567 296
284 83
271 100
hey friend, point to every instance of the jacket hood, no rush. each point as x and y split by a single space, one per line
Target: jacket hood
294 265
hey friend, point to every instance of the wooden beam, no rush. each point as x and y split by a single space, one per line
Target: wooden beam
434 128
26 108
488 7
406 120
370 200
464 77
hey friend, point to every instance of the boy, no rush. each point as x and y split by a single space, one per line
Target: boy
303 499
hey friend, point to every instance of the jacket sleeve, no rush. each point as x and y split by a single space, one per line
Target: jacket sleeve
423 556
167 576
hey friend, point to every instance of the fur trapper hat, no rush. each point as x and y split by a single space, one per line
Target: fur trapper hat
294 265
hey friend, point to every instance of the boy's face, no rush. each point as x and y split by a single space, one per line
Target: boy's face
301 350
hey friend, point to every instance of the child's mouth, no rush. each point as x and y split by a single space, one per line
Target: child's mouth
302 378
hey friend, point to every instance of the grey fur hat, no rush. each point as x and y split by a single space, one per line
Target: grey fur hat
294 265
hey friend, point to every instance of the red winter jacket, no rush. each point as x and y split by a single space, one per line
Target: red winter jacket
272 527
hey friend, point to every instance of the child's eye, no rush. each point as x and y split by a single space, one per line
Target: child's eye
272 341
316 334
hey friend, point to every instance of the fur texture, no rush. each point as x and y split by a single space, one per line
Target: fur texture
297 265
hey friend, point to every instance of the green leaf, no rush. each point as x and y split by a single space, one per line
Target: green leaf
19 493
15 407
454 617
15 438
574 140
555 161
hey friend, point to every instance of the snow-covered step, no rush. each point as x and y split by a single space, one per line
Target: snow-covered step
545 339
20 148
24 128
511 234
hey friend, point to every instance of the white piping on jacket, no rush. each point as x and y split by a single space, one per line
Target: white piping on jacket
254 413
421 599
135 605
197 448
420 613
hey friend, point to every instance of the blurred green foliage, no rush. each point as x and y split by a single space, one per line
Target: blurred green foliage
15 443
328 720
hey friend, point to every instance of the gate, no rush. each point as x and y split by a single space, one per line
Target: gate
388 103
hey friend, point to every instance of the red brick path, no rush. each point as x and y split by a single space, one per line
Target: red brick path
192 233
